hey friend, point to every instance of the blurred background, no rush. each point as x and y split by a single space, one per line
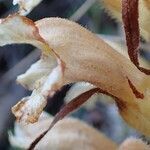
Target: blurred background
16 59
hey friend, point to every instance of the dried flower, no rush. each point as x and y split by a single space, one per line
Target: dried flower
70 53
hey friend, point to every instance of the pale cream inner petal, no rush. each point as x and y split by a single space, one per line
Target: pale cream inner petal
90 59
44 77
37 73
29 109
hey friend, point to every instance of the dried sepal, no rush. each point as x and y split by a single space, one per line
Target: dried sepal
130 17
26 6
29 109
133 17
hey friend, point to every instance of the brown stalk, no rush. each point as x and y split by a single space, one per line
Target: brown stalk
130 15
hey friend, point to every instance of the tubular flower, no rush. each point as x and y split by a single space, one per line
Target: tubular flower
71 53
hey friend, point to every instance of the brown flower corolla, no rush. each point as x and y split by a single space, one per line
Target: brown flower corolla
71 53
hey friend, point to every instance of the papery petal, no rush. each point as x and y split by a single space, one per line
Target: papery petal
18 29
90 59
37 73
30 108
26 6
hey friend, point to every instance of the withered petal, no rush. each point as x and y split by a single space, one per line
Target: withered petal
37 73
90 59
44 77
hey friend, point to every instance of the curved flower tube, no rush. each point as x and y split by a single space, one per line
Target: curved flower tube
71 53
89 59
